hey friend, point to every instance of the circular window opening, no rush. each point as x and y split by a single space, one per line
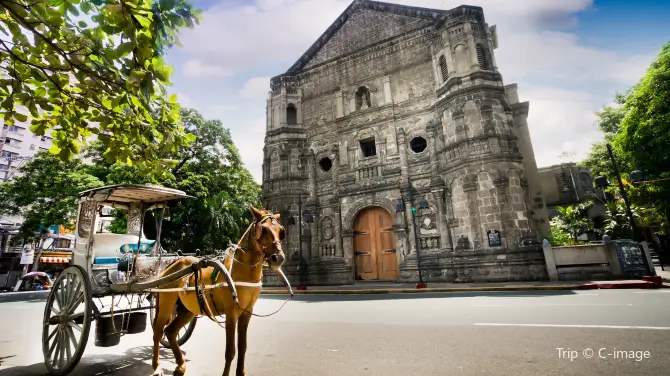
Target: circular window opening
418 144
326 164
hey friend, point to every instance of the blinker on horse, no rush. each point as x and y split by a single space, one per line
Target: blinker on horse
212 296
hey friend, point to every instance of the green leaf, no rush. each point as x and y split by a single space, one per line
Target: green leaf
20 117
145 22
125 48
86 7
54 150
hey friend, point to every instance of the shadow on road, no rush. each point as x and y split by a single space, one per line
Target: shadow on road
135 362
426 295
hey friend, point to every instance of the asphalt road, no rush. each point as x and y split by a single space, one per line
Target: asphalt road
613 333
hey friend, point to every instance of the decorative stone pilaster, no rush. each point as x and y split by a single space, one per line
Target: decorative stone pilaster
410 225
338 234
470 188
450 221
474 63
437 190
501 185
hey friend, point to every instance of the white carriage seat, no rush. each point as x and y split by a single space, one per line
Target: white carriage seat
109 247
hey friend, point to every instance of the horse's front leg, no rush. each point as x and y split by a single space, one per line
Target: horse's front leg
243 325
231 324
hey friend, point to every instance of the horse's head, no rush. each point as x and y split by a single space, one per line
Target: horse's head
268 234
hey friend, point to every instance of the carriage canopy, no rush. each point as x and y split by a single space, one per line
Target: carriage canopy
127 193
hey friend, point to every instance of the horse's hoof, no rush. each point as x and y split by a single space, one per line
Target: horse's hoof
179 371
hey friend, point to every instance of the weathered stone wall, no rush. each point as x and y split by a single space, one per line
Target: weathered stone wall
378 78
364 28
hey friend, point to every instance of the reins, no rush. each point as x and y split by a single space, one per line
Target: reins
230 252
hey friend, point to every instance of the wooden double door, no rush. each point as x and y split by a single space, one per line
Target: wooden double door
374 246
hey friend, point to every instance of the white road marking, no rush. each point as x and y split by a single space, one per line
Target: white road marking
578 326
553 305
652 292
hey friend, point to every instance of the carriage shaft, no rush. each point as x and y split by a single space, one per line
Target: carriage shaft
143 286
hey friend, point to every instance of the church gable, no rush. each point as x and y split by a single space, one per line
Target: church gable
363 28
362 24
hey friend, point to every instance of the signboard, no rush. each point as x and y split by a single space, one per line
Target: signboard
27 255
631 259
494 238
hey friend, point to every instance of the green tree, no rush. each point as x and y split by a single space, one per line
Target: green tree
644 137
45 193
573 221
211 170
83 67
637 130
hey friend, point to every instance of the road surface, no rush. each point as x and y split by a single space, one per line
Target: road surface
613 333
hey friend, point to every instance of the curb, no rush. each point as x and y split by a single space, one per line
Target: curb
416 291
587 286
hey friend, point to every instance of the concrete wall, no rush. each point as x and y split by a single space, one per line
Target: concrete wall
582 262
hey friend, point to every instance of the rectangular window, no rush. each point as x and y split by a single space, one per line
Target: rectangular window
368 147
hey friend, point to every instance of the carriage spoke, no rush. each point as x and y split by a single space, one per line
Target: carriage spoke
54 310
62 351
66 343
58 293
72 336
75 326
53 347
77 298
67 291
52 334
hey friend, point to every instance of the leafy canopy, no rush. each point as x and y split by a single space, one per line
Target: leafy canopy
84 67
45 191
637 129
211 170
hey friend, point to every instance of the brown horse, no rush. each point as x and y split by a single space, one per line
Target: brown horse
260 244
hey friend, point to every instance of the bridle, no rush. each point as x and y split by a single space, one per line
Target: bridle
262 256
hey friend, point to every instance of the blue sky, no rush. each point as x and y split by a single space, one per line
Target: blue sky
567 56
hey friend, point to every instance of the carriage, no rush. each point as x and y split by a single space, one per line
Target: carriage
112 278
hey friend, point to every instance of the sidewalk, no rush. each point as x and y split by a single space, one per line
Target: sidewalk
404 288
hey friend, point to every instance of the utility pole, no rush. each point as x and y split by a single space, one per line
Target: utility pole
622 190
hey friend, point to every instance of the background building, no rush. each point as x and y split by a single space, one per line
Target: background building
394 108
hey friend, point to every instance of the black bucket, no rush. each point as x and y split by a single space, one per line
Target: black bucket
106 333
137 322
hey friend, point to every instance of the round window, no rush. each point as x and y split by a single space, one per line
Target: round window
326 164
418 144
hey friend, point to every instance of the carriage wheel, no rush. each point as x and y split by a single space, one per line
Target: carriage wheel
184 333
67 321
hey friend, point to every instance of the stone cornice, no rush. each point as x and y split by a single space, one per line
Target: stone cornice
520 108
468 90
285 130
458 80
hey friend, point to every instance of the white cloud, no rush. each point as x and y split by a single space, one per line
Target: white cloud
198 69
559 121
185 101
256 88
535 51
249 141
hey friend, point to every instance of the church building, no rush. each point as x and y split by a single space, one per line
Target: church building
393 146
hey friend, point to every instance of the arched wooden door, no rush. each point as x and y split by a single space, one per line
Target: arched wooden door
374 246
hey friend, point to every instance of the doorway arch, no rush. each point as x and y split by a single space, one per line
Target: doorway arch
374 245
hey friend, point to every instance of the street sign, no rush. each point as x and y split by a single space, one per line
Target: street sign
27 255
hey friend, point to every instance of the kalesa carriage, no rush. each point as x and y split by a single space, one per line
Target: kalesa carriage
114 279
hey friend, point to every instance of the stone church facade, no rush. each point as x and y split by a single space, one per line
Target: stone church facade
396 138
